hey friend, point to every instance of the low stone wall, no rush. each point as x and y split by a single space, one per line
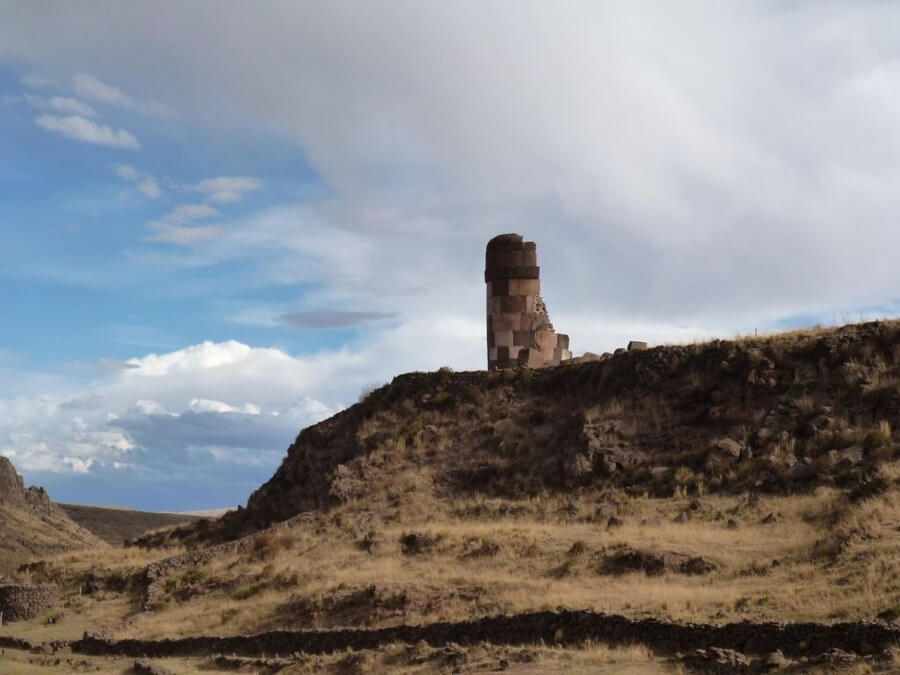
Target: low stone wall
155 572
19 602
566 627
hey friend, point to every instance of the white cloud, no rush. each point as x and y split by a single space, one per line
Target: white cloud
89 87
84 130
225 189
125 171
38 81
92 88
147 184
209 405
72 105
172 227
150 187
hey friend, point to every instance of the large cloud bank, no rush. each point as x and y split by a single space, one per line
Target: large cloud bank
687 169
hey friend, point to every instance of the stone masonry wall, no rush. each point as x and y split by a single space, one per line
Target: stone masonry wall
519 331
563 627
19 602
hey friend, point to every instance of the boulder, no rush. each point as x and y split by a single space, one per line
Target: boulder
605 511
850 456
727 447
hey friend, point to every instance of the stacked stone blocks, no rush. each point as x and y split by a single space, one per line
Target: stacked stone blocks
19 602
519 331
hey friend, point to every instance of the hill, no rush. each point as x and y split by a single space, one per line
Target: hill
114 525
771 415
30 524
709 491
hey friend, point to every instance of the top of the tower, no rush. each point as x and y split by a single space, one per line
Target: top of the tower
507 256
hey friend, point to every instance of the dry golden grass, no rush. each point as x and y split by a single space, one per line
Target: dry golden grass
822 559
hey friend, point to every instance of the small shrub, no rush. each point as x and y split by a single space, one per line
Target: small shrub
877 437
416 543
683 475
228 614
250 591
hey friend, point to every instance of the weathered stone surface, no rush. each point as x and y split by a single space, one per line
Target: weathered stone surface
20 602
636 346
519 331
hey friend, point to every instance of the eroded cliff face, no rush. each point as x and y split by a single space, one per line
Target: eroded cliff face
14 492
32 524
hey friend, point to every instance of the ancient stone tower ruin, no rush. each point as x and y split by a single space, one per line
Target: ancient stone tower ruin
519 332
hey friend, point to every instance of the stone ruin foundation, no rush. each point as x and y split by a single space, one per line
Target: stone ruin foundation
519 332
19 602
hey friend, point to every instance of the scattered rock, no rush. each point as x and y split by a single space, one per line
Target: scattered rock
606 511
776 660
727 446
803 472
850 457
659 473
147 668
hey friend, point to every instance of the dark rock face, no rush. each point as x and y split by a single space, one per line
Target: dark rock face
12 488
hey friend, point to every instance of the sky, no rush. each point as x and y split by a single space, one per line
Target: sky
220 222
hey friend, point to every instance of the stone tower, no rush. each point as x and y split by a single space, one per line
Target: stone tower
519 332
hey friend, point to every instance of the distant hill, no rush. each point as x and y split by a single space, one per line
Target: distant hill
30 524
113 524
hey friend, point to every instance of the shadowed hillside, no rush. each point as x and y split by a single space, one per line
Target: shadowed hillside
114 526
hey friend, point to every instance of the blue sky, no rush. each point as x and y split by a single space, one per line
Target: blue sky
219 225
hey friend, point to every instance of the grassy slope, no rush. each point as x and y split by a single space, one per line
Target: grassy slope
25 533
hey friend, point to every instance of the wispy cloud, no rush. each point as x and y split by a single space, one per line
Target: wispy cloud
38 81
150 187
72 105
173 227
225 189
331 319
84 130
92 88
125 171
61 104
146 183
